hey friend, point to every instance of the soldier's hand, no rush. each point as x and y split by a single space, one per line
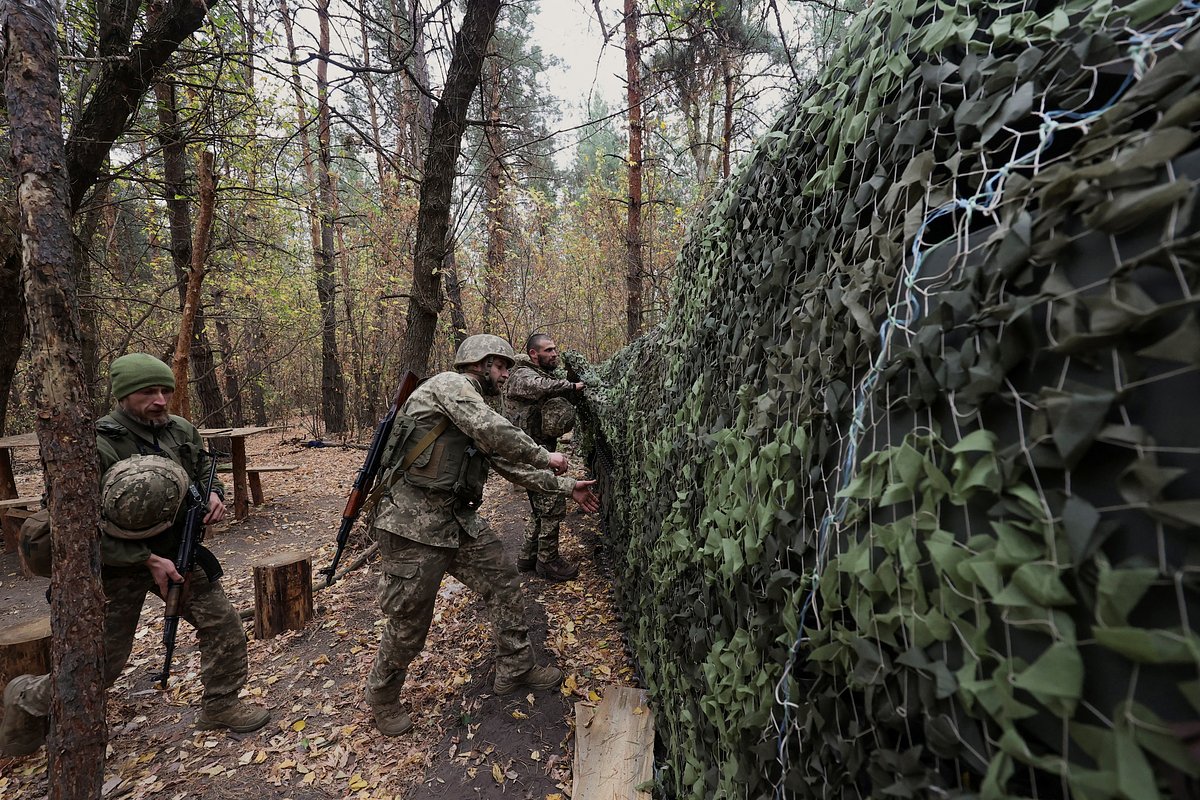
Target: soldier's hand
216 509
558 463
582 494
162 570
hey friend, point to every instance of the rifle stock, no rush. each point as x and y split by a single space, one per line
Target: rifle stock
364 481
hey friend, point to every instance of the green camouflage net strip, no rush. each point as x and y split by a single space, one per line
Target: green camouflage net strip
907 486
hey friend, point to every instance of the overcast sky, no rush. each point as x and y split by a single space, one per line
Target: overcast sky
568 30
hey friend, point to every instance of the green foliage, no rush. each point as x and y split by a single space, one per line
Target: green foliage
904 489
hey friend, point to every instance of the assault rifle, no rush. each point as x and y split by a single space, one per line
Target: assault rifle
364 481
189 549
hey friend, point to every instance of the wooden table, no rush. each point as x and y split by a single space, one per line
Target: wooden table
237 447
8 484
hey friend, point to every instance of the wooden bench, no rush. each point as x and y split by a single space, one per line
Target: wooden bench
252 476
21 502
13 512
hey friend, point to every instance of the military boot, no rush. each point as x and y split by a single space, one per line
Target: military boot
546 677
557 569
526 564
21 733
240 717
390 719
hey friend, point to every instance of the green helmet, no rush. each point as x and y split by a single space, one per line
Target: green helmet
482 345
558 417
141 496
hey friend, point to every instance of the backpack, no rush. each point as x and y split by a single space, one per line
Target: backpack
34 543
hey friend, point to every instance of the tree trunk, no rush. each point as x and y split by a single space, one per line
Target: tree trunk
633 235
180 404
283 594
229 373
175 194
64 415
495 199
256 372
458 320
12 310
333 384
727 128
119 91
433 215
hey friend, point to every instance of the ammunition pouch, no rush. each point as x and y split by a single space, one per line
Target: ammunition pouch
437 457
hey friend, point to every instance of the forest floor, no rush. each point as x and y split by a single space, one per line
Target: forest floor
466 743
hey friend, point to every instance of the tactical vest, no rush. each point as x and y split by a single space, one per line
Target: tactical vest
450 464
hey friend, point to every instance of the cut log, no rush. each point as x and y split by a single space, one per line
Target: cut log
25 649
283 599
614 746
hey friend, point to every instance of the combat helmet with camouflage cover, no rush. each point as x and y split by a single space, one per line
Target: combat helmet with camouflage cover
558 417
141 496
478 347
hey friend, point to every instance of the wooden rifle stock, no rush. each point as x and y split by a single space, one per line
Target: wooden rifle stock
364 481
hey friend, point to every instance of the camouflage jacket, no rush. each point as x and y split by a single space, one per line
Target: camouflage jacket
119 436
434 518
528 387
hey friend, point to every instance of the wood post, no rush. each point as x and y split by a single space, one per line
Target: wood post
25 649
283 598
256 495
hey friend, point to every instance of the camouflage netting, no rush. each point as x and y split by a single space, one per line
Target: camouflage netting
905 495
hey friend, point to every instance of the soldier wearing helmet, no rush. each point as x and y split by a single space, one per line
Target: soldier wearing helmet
148 458
436 461
535 399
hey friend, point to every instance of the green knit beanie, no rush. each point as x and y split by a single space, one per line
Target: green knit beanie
137 371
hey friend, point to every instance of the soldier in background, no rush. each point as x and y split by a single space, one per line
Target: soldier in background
147 459
436 462
536 402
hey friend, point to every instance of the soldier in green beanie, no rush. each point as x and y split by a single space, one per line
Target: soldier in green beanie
137 562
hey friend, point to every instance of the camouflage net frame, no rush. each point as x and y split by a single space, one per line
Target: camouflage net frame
908 484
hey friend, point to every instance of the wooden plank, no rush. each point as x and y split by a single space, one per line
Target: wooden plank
614 746
21 502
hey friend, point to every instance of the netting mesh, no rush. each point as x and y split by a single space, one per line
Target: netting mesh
908 484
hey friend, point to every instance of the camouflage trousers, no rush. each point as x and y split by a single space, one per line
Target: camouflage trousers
412 573
545 519
207 609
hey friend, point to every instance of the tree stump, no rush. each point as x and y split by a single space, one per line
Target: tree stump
24 649
283 599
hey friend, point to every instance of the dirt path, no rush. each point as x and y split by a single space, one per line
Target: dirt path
466 743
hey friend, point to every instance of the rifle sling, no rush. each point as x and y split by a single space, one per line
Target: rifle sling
424 444
428 439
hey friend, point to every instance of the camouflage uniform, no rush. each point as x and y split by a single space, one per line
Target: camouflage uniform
527 388
425 533
126 579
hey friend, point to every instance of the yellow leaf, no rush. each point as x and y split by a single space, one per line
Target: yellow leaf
536 755
357 783
497 774
260 756
570 685
555 796
299 725
593 696
519 715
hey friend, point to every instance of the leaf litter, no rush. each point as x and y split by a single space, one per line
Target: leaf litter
321 741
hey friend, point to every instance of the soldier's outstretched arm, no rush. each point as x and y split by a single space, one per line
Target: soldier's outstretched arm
492 433
528 384
537 480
